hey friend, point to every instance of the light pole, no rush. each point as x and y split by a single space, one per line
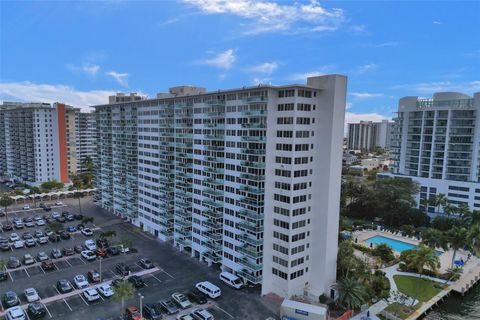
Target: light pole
141 305
100 259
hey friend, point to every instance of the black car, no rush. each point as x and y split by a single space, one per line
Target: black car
10 299
54 237
145 263
122 269
36 310
151 311
4 246
80 226
78 248
42 205
7 226
65 214
3 275
64 235
47 208
67 251
78 216
136 281
61 219
111 251
197 296
64 286
13 263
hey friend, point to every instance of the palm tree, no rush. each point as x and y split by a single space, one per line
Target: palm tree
474 238
457 238
438 201
55 226
434 238
351 293
78 195
470 218
423 257
5 201
108 234
123 291
3 264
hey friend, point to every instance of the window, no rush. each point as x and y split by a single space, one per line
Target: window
285 107
279 273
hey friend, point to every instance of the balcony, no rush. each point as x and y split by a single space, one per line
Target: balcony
212 236
253 227
250 265
213 192
212 214
215 247
185 233
253 151
250 251
251 189
211 203
212 257
252 177
212 224
257 99
249 277
247 238
253 138
254 113
253 164
254 125
251 214
183 223
214 170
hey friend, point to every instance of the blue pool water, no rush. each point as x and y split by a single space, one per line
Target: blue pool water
396 245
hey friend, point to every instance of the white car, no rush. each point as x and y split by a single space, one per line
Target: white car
90 245
18 244
184 317
91 295
181 300
88 255
15 313
26 207
40 222
59 203
80 281
55 215
14 237
87 232
31 295
201 314
105 290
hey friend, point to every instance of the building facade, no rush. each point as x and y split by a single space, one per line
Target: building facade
367 135
247 179
86 139
436 142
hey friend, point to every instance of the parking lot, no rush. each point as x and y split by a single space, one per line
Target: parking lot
174 272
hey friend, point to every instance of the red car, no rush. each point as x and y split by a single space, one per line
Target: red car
93 276
7 226
48 265
132 313
100 252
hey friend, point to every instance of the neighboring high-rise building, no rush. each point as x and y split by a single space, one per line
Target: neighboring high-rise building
86 140
367 135
122 97
248 179
436 142
38 141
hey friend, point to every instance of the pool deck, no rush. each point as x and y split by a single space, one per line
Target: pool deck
364 235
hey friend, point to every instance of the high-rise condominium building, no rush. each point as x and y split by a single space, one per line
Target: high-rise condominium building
38 141
86 140
122 97
367 135
247 179
436 142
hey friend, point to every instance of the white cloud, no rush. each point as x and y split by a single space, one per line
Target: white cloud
365 95
387 44
86 68
360 28
258 81
302 76
351 117
121 78
349 105
266 67
271 17
431 87
366 68
222 60
32 92
436 22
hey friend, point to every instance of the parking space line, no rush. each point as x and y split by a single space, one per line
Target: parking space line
28 317
42 270
9 274
67 304
168 274
228 314
66 260
80 295
139 266
82 260
101 297
57 290
55 266
1 305
156 277
48 311
26 272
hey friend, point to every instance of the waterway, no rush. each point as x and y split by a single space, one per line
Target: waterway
456 307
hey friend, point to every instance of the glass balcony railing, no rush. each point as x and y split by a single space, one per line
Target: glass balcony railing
250 265
214 246
212 256
253 227
250 277
250 251
247 238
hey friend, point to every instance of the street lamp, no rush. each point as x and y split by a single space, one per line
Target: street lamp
141 305
100 259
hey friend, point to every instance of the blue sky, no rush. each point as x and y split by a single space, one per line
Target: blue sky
80 52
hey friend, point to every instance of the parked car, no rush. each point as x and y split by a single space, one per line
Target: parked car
42 240
14 237
67 251
80 281
15 313
87 232
101 252
10 299
18 225
42 205
48 265
201 314
47 208
93 276
26 207
71 229
61 219
122 269
38 233
36 310
91 295
181 300
30 243
42 256
55 215
113 251
30 224
56 253
78 216
152 311
69 217
5 246
40 222
27 235
28 259
58 203
184 317
90 245
209 289
88 255
54 237
145 263
31 295
196 296
18 244
3 275
78 248
7 226
168 306
132 313
64 286
13 263
105 290
136 281
64 235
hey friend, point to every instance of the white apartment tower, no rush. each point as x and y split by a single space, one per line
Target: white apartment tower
436 142
368 134
246 179
86 140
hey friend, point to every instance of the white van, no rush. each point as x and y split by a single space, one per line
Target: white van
209 289
231 280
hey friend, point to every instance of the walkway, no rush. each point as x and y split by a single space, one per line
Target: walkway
374 310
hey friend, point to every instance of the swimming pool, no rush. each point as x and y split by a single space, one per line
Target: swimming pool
396 245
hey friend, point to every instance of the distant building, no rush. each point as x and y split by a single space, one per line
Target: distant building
367 135
86 139
122 97
436 142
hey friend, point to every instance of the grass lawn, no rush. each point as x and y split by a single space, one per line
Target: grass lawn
421 289
401 310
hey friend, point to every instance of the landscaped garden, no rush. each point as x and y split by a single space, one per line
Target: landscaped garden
420 288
